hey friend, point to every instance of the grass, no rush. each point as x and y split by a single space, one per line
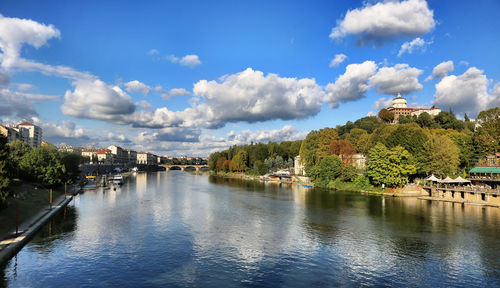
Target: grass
29 201
353 186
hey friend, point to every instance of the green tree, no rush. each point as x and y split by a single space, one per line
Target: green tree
238 162
369 123
441 156
381 134
412 138
70 162
360 139
386 115
328 169
4 169
487 135
260 167
17 150
43 165
468 154
389 166
350 173
425 120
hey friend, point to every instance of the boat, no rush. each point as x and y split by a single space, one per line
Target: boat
118 179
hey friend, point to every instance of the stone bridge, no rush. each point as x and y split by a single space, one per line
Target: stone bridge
198 168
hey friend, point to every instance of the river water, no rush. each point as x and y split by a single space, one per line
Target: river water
178 229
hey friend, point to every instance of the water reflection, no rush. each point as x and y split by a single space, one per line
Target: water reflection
185 229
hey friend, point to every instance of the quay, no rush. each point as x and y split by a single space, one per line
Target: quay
463 194
11 245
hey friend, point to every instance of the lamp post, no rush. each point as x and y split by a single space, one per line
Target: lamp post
17 213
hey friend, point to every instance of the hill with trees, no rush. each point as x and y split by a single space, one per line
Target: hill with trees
395 153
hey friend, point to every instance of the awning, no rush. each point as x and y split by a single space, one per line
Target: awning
461 180
487 170
432 178
447 180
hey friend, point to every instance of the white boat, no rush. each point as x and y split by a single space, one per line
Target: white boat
118 179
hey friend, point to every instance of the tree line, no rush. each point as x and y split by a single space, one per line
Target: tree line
395 153
255 159
44 166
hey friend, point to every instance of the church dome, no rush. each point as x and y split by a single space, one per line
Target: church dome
399 102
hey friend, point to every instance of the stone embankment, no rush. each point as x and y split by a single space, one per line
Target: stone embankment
12 244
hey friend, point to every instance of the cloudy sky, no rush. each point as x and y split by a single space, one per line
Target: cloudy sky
192 77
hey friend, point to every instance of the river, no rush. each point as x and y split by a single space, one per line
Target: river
179 229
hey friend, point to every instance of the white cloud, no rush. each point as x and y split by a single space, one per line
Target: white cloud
385 21
442 69
138 87
15 32
250 96
287 133
191 60
178 92
96 100
466 93
171 134
339 58
383 102
397 79
57 132
415 44
351 85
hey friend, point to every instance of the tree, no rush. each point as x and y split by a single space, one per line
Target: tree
381 134
386 115
425 120
326 135
360 139
220 163
487 135
412 138
239 161
17 150
441 156
260 167
70 162
468 153
328 169
350 173
389 166
43 165
343 149
369 123
4 169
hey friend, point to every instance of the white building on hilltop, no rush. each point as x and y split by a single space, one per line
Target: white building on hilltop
399 108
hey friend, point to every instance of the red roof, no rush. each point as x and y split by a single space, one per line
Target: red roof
26 123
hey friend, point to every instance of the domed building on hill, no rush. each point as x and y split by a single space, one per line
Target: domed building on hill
399 108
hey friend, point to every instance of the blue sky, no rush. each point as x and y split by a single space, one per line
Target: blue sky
193 77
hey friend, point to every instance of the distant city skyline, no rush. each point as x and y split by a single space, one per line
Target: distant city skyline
194 77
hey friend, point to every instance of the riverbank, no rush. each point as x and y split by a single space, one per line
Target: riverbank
11 244
363 188
28 201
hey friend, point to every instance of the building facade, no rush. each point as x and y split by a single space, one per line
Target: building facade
146 158
120 156
34 133
399 108
298 166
